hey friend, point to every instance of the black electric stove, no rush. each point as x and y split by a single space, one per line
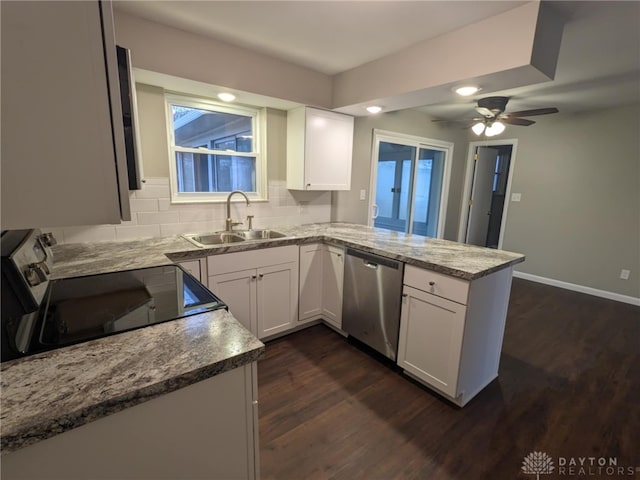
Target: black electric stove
39 314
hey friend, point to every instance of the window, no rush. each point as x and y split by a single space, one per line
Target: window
213 149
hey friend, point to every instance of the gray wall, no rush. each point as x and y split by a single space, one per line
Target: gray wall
347 206
579 218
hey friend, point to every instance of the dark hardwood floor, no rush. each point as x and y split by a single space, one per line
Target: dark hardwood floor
569 386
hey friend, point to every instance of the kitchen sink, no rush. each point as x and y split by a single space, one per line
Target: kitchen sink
224 238
218 238
260 234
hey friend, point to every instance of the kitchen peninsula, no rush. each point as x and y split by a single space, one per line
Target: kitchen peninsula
55 392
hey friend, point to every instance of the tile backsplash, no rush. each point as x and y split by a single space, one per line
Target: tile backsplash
153 215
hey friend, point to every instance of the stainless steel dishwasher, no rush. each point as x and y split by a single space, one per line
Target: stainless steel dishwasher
371 304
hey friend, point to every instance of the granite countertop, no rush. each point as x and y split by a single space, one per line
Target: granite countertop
52 392
456 259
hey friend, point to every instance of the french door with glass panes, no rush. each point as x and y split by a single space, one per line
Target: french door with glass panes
410 177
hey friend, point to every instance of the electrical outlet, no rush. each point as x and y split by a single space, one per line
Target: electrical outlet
516 197
624 274
363 194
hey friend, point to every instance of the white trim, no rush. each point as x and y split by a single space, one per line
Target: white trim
259 129
578 288
418 142
468 181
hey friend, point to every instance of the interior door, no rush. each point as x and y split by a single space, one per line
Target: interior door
481 195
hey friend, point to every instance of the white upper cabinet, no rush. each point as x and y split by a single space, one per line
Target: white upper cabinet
63 156
319 149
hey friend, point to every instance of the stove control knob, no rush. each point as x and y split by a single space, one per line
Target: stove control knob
31 274
36 273
48 239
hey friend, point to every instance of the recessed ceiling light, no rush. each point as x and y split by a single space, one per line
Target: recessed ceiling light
226 97
467 90
374 109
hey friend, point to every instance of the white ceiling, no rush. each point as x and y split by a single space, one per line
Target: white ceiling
598 66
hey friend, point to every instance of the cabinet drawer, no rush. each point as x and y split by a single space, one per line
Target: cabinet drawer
438 284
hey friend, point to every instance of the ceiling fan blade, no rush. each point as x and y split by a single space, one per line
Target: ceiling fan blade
485 112
517 121
531 113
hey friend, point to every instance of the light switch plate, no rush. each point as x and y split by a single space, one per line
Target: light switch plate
515 197
363 194
624 274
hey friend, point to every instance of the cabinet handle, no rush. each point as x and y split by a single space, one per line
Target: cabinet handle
432 283
253 277
261 275
405 295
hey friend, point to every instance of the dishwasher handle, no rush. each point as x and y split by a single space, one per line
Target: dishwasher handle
372 260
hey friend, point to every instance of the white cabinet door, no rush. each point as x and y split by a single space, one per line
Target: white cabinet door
277 298
332 282
238 291
328 150
63 157
259 286
311 280
319 149
431 330
193 267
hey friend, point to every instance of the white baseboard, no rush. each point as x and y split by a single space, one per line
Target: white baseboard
579 288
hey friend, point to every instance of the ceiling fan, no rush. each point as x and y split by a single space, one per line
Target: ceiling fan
494 116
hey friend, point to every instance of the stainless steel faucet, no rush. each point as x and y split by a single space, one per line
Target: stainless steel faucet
229 222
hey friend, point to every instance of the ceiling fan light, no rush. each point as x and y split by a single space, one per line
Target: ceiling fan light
495 128
374 109
467 90
478 128
226 97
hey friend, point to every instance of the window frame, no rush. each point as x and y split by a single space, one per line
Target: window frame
258 125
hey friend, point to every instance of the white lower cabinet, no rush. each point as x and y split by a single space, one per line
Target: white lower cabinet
332 283
277 298
431 338
208 429
197 268
239 291
321 282
260 287
311 261
451 330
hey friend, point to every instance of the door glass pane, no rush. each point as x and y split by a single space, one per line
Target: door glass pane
428 190
386 182
393 185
